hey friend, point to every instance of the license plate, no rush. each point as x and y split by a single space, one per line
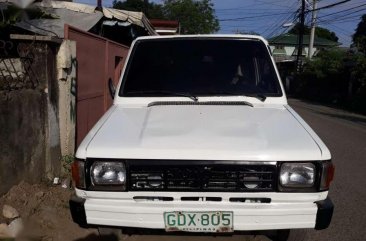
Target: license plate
215 222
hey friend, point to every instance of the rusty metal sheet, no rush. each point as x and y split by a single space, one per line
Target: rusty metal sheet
98 59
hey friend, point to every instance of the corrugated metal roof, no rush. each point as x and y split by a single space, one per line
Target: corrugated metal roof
137 18
82 16
76 7
55 27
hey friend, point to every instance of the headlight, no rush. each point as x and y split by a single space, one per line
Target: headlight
297 175
108 173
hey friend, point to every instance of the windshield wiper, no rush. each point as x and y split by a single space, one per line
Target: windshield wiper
260 97
165 92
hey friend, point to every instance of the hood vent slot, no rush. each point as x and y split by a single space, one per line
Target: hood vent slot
161 103
201 199
153 199
249 200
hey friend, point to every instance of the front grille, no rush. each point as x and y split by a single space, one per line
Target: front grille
205 178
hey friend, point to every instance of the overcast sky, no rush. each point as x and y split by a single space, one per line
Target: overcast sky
266 17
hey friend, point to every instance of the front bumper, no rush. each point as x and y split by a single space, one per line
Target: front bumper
324 214
247 216
77 210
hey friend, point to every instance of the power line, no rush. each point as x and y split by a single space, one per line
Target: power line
291 18
254 16
249 13
250 17
328 6
249 9
276 25
350 20
250 5
346 10
271 3
348 33
343 17
283 31
251 24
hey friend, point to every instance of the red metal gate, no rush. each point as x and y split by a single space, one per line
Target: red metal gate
98 60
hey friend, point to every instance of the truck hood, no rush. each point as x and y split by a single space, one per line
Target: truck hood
201 132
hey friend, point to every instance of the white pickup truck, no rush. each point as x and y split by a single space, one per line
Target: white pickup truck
200 138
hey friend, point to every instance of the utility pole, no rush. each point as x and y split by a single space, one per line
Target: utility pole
99 5
301 36
312 33
146 6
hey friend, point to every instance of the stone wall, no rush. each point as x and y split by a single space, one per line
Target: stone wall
29 116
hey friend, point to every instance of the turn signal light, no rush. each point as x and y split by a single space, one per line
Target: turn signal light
78 173
328 170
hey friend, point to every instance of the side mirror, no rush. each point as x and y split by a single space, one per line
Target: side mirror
112 89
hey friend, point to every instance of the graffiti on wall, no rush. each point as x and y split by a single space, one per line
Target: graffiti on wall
72 101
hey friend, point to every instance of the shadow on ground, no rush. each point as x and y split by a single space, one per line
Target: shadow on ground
357 119
330 111
96 237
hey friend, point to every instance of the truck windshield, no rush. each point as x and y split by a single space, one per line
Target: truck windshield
200 67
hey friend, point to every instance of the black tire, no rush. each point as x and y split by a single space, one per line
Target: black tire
290 235
110 234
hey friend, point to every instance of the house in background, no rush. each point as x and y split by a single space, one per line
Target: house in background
284 47
165 27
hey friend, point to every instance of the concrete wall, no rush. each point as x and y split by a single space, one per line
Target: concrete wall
29 117
22 137
66 76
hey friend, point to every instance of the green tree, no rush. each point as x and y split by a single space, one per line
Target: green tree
152 10
195 17
319 32
325 77
326 34
359 38
246 32
335 76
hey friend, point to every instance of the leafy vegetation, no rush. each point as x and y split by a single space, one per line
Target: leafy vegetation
319 32
151 10
359 38
194 16
337 77
66 162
